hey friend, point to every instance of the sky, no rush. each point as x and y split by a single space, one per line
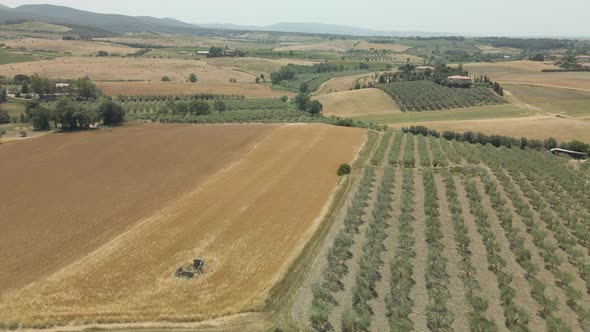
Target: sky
466 17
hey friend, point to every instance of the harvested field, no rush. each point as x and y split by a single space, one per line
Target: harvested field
529 73
256 66
332 46
184 41
568 102
363 45
76 47
358 103
112 69
179 88
540 127
488 49
243 197
343 83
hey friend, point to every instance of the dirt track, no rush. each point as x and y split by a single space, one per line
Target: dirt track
119 225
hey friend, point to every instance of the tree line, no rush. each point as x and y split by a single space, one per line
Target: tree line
499 140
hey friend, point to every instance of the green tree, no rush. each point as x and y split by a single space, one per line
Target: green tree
304 87
165 79
25 88
39 115
215 52
219 106
103 53
315 107
111 113
41 86
344 169
192 78
4 117
3 96
87 89
198 107
64 111
302 100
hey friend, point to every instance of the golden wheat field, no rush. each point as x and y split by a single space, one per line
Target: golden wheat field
112 69
76 47
356 103
117 211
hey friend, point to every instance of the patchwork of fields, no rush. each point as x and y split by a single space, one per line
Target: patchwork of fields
447 236
136 203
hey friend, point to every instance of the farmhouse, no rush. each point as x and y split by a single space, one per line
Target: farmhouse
573 154
203 52
583 58
62 85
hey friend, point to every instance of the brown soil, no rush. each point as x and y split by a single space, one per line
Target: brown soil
419 293
523 296
125 217
457 303
485 277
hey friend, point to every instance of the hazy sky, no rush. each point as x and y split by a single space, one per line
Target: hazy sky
498 17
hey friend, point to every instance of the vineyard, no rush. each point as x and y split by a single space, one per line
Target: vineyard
449 236
428 96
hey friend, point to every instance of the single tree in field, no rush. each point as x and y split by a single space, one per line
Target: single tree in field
165 79
192 78
219 106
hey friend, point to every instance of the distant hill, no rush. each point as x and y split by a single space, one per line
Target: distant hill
117 24
322 28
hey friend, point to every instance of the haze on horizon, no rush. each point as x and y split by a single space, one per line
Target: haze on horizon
466 17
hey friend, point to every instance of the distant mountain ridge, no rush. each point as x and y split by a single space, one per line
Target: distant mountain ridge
119 24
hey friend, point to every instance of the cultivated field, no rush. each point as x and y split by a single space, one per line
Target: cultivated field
106 236
150 39
567 102
529 73
344 83
111 69
358 103
363 45
448 236
35 27
332 46
76 47
178 88
534 126
257 66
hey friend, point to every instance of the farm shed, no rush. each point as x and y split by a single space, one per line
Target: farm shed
583 58
573 154
203 52
421 69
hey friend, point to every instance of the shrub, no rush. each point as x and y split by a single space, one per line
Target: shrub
344 169
23 133
165 79
4 117
192 78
